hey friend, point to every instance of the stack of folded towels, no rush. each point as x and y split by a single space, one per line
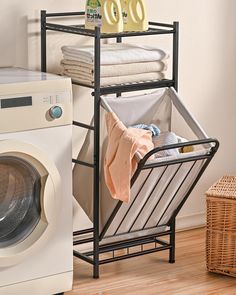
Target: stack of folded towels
120 64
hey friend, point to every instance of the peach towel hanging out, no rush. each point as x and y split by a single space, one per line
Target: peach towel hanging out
120 162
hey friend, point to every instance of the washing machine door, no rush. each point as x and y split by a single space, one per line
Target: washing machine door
29 200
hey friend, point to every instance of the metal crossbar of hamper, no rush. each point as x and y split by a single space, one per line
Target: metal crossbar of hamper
135 245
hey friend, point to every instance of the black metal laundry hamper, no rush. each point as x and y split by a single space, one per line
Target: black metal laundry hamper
111 231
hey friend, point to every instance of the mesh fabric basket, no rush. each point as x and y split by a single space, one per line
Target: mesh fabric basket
221 227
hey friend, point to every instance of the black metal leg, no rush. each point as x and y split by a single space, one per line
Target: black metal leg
172 242
175 55
96 175
118 40
96 271
43 42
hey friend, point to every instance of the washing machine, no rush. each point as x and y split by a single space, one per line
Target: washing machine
35 183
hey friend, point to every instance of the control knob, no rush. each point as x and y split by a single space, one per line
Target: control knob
55 112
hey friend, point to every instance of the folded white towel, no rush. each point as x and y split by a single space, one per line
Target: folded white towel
117 53
76 63
115 70
77 66
108 81
82 75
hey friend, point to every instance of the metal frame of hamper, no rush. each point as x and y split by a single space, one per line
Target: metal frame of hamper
108 236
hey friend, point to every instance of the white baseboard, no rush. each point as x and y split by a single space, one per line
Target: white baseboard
191 221
54 284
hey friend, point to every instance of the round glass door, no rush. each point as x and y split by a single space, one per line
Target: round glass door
20 208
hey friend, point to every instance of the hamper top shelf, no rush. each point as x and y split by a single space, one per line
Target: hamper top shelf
51 22
155 28
129 87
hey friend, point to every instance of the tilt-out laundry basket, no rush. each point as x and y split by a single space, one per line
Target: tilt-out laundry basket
159 187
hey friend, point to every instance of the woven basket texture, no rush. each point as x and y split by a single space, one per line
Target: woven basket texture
221 227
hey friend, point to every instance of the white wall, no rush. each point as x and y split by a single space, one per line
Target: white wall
207 78
206 74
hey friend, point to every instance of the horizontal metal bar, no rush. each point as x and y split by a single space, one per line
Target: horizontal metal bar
78 13
77 30
82 84
78 162
83 231
130 255
65 14
161 25
83 13
135 86
129 87
83 241
149 32
83 257
127 245
177 161
182 144
163 243
82 125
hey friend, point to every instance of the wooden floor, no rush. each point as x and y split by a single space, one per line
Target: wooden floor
152 274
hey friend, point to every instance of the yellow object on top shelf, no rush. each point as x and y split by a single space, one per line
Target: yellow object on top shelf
134 15
106 14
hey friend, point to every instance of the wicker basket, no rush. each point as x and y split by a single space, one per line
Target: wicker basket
221 227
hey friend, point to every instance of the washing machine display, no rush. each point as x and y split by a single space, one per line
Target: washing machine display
16 102
20 209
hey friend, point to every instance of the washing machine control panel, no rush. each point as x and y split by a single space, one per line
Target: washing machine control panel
35 110
36 99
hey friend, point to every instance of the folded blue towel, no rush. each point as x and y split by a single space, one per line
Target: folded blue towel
151 127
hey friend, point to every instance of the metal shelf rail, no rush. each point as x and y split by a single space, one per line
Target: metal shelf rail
93 257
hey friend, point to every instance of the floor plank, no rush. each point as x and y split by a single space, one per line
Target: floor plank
152 274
